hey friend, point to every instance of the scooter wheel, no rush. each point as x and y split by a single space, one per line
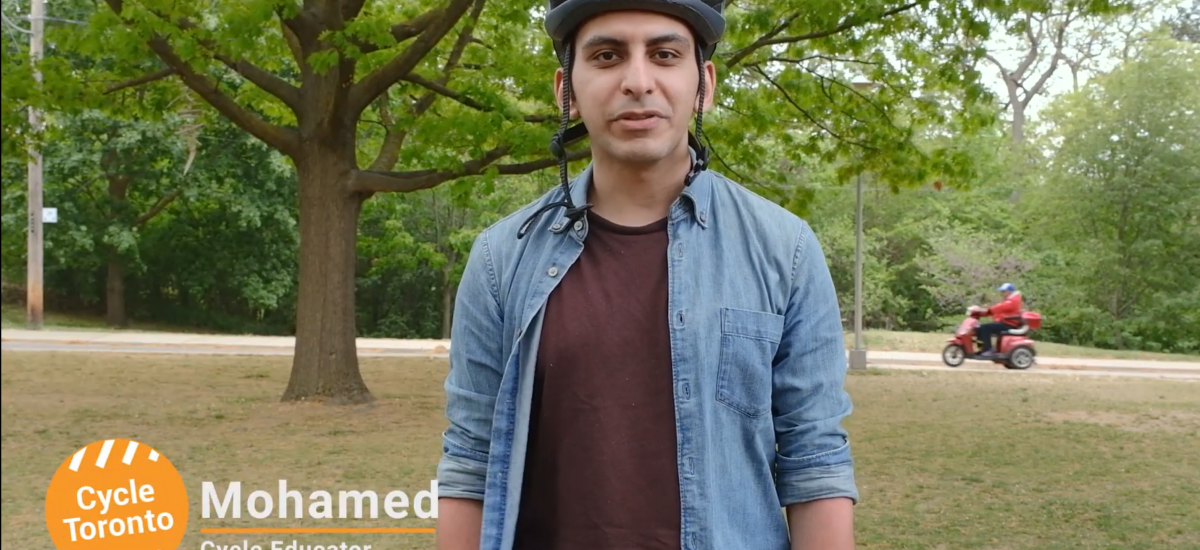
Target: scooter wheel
954 355
1021 358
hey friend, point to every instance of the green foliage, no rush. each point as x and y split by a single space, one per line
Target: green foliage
414 246
124 197
1117 215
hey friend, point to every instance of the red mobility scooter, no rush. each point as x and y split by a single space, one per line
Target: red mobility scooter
1014 349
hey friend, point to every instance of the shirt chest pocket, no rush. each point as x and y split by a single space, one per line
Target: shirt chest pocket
749 340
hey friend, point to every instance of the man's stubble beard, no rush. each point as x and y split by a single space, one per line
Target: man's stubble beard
640 152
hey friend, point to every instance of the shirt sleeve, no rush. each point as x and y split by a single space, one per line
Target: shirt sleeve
813 459
471 386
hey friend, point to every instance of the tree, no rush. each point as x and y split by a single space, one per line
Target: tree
1185 25
1118 212
314 72
1046 41
127 173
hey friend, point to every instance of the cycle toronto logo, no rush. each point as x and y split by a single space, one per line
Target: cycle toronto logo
118 494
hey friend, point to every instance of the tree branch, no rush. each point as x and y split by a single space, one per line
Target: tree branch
393 140
464 37
769 40
374 84
854 91
820 56
464 100
741 54
145 79
817 123
1041 82
351 9
158 207
405 182
285 140
414 27
293 42
266 80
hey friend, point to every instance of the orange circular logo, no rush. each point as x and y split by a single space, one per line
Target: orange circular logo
117 494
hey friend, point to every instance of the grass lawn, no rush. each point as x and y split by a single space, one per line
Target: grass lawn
951 460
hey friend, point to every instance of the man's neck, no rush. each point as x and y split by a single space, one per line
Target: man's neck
637 195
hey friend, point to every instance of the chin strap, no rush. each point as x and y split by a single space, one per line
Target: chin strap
558 146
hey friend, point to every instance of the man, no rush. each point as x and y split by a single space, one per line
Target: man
650 357
1005 315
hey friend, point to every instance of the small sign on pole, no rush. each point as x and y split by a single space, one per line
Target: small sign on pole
49 215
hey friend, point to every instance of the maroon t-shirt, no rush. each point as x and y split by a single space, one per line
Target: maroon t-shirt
601 468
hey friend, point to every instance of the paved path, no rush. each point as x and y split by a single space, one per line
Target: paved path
203 344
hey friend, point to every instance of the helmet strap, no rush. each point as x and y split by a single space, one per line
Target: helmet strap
558 146
701 162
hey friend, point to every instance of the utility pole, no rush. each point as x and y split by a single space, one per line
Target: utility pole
858 356
34 317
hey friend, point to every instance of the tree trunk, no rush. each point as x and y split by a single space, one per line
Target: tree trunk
115 291
325 365
1115 310
448 292
1018 124
118 196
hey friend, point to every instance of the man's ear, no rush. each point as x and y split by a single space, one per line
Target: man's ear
558 86
710 77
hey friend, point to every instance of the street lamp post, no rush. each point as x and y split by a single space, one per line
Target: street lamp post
858 356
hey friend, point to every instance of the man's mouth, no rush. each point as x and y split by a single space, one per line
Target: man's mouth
639 115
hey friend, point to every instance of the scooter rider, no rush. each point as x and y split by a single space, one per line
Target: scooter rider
1005 315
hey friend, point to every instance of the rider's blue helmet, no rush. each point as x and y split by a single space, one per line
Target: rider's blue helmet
1007 287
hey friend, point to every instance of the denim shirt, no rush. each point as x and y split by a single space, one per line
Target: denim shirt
757 358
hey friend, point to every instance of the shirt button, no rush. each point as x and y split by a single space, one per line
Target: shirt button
579 225
553 271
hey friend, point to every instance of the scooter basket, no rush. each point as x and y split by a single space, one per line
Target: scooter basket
1034 320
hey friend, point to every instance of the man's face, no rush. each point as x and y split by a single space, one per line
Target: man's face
634 83
1005 293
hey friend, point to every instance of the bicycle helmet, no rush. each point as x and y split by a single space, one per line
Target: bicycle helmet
706 19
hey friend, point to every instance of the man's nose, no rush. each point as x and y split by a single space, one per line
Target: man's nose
638 79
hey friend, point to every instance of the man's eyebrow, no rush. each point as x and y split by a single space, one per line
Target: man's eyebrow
599 40
668 38
602 40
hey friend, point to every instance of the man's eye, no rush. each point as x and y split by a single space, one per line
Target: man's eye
664 54
606 56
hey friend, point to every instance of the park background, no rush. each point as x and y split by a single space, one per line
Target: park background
320 170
